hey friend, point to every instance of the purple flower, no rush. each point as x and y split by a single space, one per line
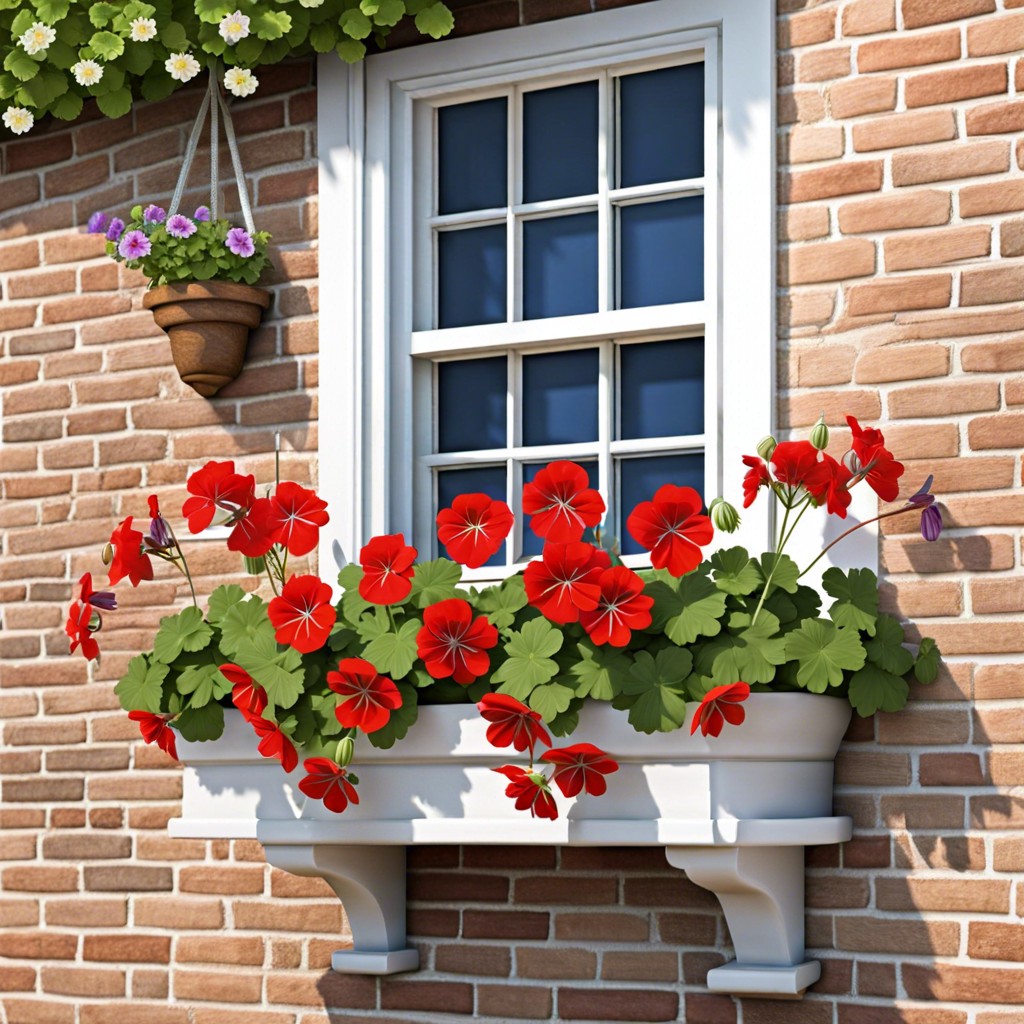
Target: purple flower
98 223
179 226
202 213
104 599
153 214
115 230
931 522
239 242
134 245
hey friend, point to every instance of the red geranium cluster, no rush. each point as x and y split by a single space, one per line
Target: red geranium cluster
581 767
251 699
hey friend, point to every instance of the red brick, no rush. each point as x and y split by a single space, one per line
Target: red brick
827 261
834 180
902 362
806 28
857 96
905 51
926 208
930 291
960 161
1004 34
935 248
909 129
998 284
616 1004
923 90
864 17
997 197
996 118
917 13
952 983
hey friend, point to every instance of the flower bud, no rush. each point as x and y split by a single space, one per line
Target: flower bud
107 554
254 566
724 516
346 748
819 434
852 462
766 446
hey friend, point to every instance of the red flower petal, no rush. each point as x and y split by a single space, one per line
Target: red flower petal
274 743
512 722
473 528
453 643
296 516
303 616
672 528
154 729
621 608
720 705
329 782
369 697
216 486
387 569
561 502
246 694
581 766
530 791
881 470
565 581
129 559
757 476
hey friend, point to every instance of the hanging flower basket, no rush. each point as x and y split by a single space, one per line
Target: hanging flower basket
208 323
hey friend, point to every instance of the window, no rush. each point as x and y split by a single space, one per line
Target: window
540 264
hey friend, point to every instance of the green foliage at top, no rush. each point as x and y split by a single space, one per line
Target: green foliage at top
133 68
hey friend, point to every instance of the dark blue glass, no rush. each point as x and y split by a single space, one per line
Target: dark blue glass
560 142
661 388
639 479
489 480
471 404
560 397
661 252
560 266
471 286
532 544
472 155
661 125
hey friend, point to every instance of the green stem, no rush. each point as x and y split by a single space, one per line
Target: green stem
854 529
184 563
784 535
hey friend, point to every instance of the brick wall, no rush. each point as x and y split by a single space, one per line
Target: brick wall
901 226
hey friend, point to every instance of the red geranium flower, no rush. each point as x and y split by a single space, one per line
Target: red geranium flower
581 766
453 643
154 729
565 580
878 466
329 782
216 486
829 485
80 616
530 790
621 608
369 697
672 528
295 517
512 723
794 463
303 614
757 476
274 743
387 569
561 502
254 534
129 558
473 528
720 705
246 694
159 535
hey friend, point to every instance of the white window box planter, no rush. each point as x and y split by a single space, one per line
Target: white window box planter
734 812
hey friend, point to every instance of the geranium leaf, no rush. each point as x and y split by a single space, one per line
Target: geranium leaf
174 37
550 699
223 598
735 571
926 664
107 45
435 21
744 653
51 10
393 653
658 688
886 649
205 723
530 662
211 11
856 594
244 622
565 723
68 107
323 37
824 651
435 581
278 671
351 51
271 24
600 672
185 631
204 682
501 602
21 65
783 570
101 13
384 12
355 24
352 603
141 687
873 689
400 721
687 608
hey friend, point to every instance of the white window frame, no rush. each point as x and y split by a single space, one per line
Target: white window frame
368 244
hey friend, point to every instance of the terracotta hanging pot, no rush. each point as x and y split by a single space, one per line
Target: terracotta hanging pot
208 323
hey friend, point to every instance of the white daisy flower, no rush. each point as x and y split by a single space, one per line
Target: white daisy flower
182 67
234 27
37 38
240 82
87 72
18 119
143 29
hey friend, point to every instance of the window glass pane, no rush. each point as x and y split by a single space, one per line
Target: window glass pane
489 480
532 544
661 125
471 400
560 397
560 266
661 252
639 479
661 388
471 276
472 153
560 142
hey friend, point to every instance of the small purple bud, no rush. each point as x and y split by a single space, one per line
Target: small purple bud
98 223
931 522
159 533
104 599
202 213
922 498
115 230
